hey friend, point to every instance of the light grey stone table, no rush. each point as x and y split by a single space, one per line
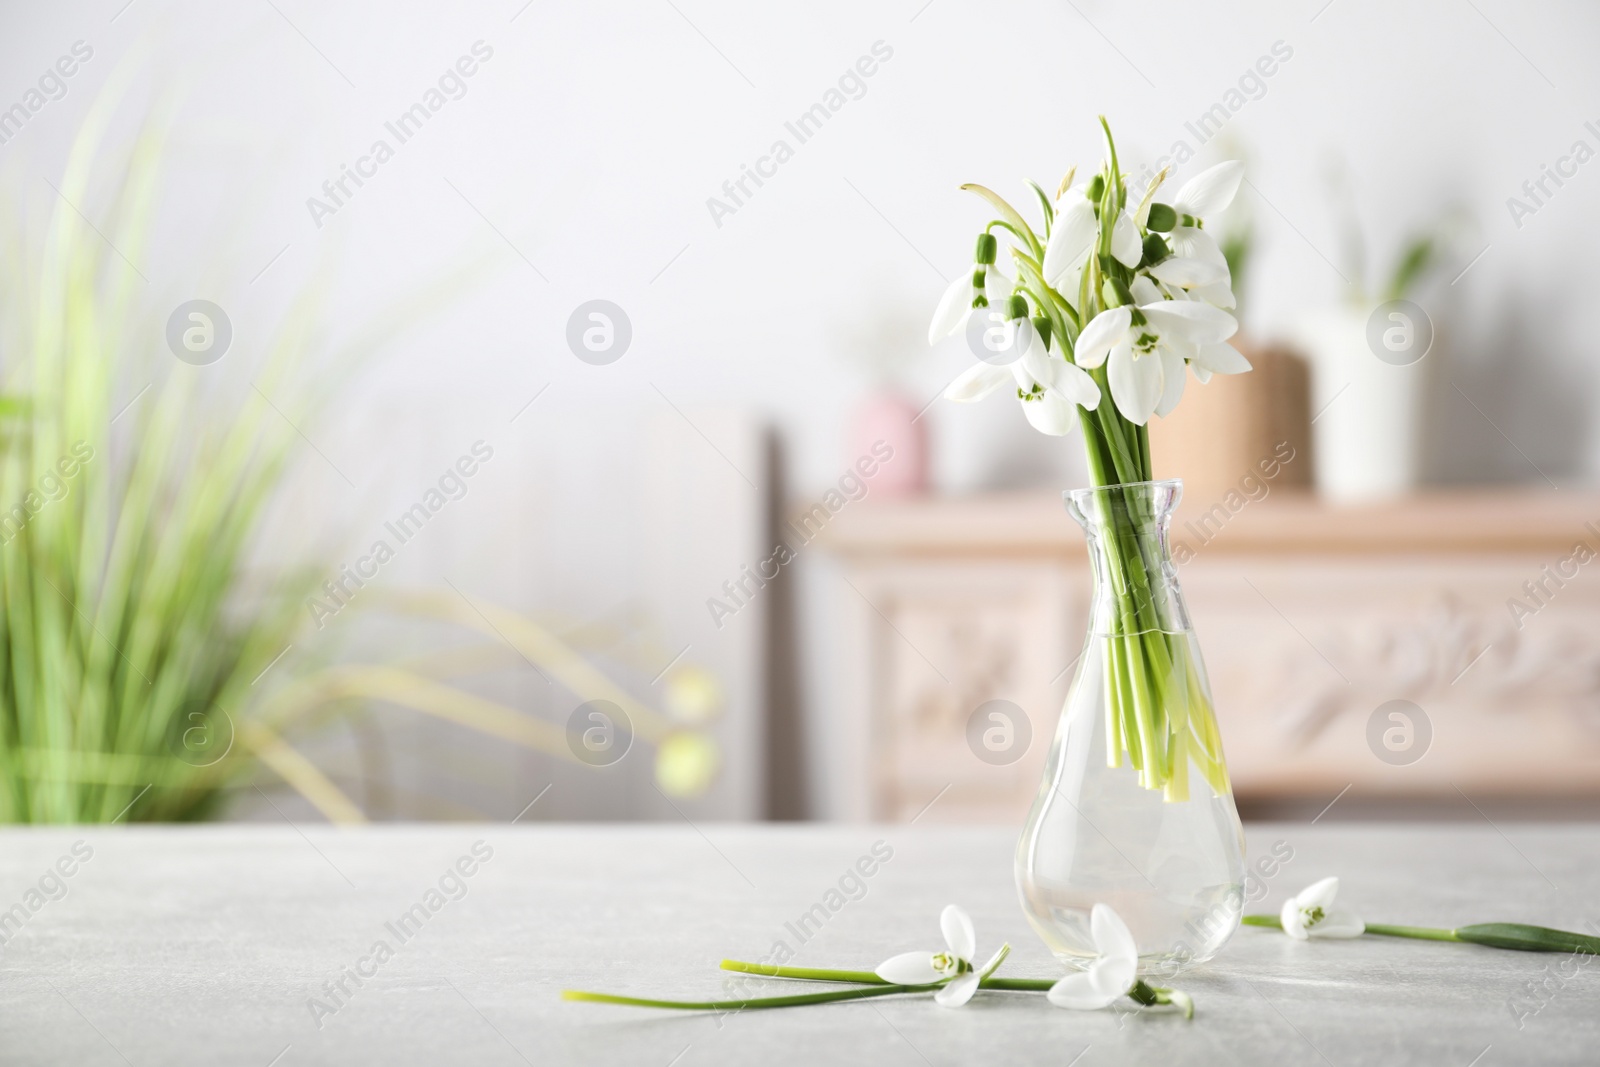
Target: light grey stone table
219 945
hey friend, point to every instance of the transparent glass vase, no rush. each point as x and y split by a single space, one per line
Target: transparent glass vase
1135 809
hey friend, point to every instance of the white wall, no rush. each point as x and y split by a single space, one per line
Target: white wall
593 137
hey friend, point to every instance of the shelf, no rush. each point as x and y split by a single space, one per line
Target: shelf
1286 521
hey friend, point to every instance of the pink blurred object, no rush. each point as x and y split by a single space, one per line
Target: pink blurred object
888 418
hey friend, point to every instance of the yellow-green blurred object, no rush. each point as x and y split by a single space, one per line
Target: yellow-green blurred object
686 764
693 695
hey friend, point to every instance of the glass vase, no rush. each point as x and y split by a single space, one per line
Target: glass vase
1135 809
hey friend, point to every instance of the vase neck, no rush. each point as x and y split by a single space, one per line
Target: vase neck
1135 582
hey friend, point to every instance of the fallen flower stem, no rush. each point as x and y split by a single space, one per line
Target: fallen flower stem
1141 991
823 974
1420 933
747 1003
1519 937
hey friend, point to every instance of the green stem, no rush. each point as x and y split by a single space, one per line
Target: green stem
1421 933
747 1003
1517 937
810 974
823 974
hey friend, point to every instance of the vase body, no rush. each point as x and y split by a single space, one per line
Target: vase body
1135 809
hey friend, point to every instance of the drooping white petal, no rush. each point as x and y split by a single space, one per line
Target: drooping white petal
996 286
1037 365
1293 920
1071 238
977 382
1191 320
1003 340
909 968
1145 291
1125 243
1211 190
1069 283
958 991
1075 384
1188 273
1319 894
958 933
1079 991
1113 976
1220 358
1194 243
1217 295
1135 383
952 309
1201 374
1097 338
1338 923
1110 934
1173 376
1051 414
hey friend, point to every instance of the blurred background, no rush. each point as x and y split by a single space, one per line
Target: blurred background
607 323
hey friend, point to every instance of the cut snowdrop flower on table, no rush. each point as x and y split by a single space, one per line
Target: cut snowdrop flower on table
949 975
1114 973
953 966
1310 913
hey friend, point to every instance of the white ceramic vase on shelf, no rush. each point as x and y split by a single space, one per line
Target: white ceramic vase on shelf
1369 370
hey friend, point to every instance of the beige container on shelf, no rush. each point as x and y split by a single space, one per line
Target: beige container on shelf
1238 427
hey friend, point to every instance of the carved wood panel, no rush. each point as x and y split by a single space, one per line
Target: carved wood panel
1306 655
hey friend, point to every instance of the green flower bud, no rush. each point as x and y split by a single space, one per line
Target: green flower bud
1116 292
1017 308
1041 326
1155 250
1162 218
987 247
1097 188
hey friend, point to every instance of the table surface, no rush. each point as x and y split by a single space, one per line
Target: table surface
216 944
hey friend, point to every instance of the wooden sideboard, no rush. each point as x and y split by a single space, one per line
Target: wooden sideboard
1313 620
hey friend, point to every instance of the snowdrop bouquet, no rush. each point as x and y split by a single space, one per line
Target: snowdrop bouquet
1097 319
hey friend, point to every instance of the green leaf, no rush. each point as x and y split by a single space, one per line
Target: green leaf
1418 256
1009 214
1044 203
1525 938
